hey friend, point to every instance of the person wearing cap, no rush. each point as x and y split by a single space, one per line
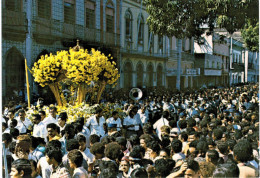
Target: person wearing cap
182 116
115 120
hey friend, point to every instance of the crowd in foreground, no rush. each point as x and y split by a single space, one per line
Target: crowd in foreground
205 133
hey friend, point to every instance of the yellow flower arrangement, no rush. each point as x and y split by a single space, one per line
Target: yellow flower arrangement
81 67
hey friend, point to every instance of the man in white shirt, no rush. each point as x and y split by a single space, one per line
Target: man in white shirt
176 148
96 123
10 116
52 118
115 120
62 119
161 122
39 129
23 124
84 150
131 124
143 115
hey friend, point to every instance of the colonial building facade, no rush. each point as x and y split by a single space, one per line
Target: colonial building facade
143 54
32 28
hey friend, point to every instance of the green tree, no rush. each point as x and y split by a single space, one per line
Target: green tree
180 18
236 15
251 36
187 18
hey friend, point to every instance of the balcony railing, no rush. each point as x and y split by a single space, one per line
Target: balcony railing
148 54
51 29
111 39
42 26
238 66
13 21
212 72
186 56
189 72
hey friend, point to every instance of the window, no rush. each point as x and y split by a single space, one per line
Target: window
90 14
207 64
140 30
160 44
227 63
14 5
150 41
218 65
213 64
44 9
183 44
69 11
128 26
110 22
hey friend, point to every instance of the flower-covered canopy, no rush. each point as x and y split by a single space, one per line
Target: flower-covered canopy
80 67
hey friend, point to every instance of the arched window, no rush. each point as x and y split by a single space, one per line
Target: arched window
14 71
140 29
110 20
159 76
128 71
128 29
139 72
150 75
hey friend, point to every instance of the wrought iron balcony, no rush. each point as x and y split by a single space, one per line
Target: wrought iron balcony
13 25
185 56
147 54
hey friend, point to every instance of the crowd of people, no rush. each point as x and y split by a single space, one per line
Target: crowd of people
203 133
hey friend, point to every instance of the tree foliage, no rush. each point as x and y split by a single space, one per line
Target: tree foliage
187 18
251 36
180 18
